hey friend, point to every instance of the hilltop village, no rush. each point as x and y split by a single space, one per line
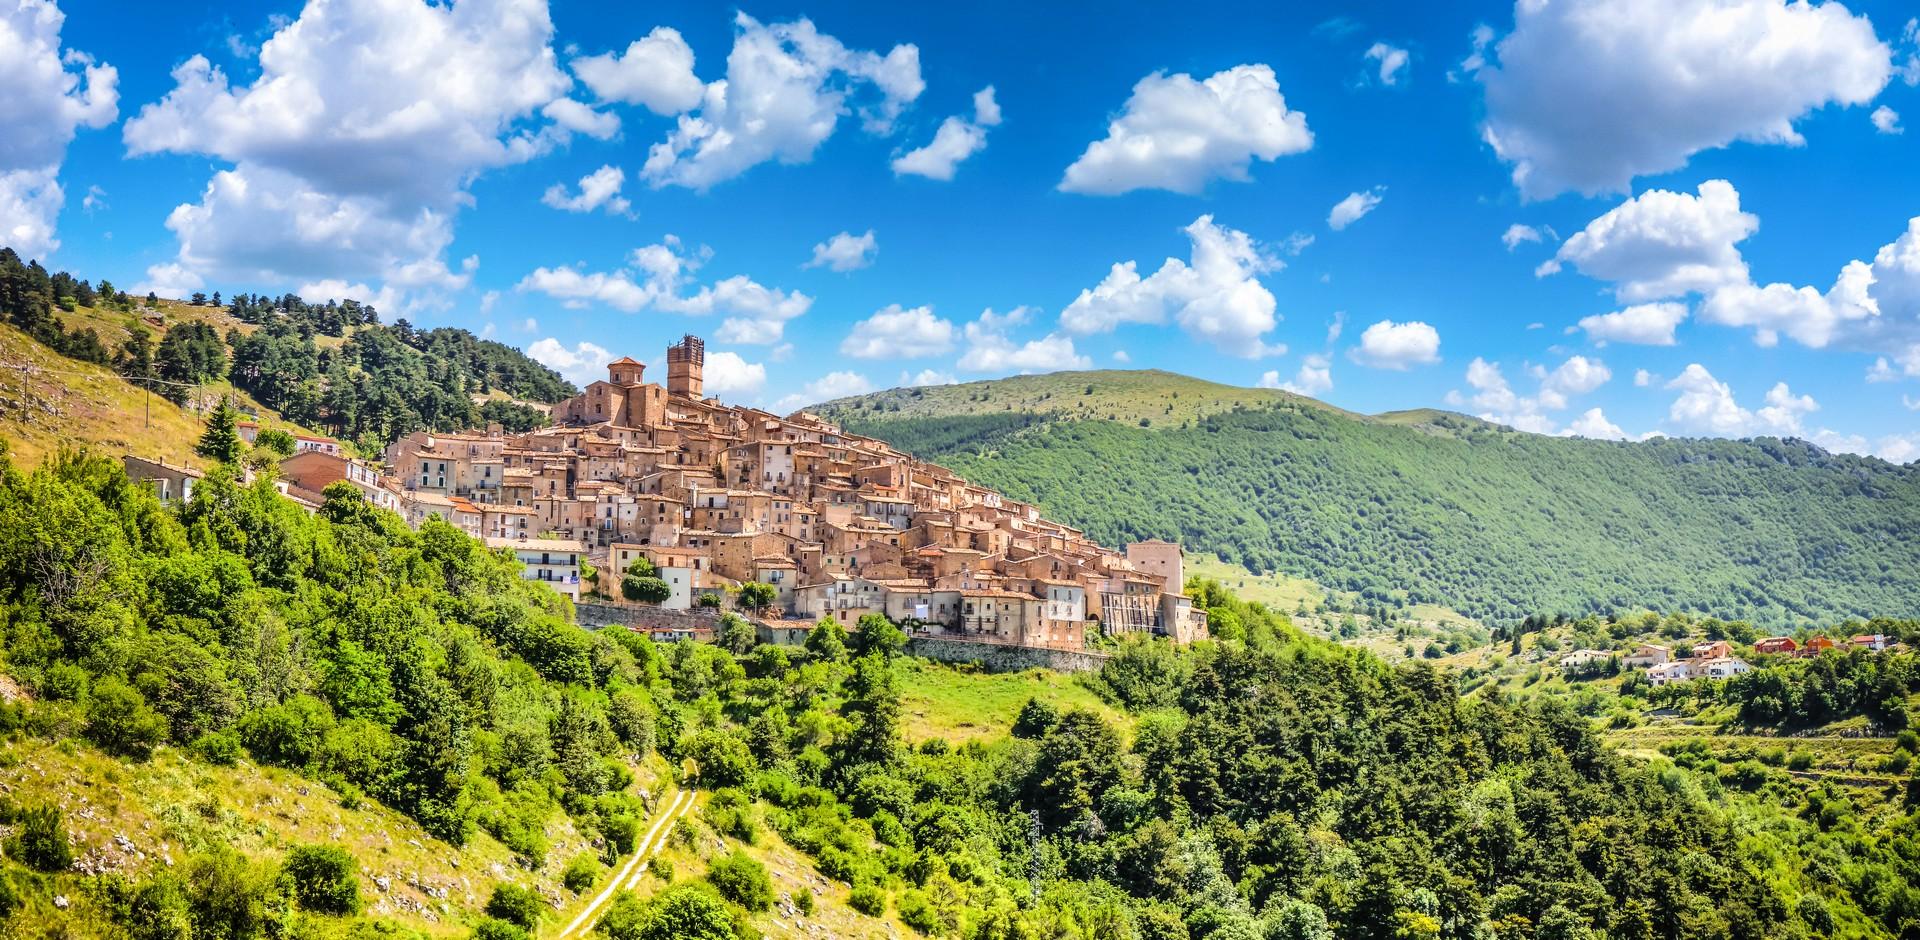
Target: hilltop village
715 496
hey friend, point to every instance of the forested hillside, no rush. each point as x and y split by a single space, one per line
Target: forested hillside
329 366
1426 507
1268 785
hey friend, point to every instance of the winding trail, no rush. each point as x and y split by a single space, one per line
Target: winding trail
636 865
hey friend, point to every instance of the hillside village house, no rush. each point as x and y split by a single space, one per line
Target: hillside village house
1814 646
169 483
1775 644
1671 672
1724 667
310 472
1647 654
1870 641
554 562
1579 659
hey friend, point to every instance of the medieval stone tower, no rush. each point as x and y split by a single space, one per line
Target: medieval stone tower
683 366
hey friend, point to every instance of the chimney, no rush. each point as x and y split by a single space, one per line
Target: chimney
684 363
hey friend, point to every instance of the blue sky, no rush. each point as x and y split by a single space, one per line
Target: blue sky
1607 217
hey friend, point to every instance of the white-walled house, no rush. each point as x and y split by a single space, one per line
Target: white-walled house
1666 673
553 562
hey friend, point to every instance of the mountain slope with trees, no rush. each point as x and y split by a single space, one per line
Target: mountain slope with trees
329 366
1429 507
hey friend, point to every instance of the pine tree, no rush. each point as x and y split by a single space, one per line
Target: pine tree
221 440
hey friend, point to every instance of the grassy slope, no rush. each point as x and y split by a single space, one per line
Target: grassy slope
940 701
1163 398
1430 507
171 806
72 402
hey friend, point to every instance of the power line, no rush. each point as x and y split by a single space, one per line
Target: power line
40 369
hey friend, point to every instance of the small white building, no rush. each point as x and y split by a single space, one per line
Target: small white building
1725 667
303 443
553 562
1585 657
1667 673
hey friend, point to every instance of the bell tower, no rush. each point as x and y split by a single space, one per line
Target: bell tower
684 362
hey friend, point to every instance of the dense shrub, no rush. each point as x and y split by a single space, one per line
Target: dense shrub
516 904
39 839
683 912
581 873
324 879
868 900
120 720
741 879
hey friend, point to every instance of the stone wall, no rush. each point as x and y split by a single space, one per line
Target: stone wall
595 616
994 657
1002 657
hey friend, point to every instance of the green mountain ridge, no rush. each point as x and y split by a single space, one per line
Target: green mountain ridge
1428 506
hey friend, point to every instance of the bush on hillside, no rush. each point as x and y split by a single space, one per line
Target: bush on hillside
581 873
324 879
516 904
120 720
39 839
741 879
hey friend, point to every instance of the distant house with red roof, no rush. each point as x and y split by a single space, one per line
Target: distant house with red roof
1776 644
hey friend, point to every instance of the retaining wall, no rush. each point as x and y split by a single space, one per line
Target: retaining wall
595 616
1001 657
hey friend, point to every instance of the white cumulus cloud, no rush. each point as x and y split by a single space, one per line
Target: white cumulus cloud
928 377
991 350
787 86
1809 316
1314 377
1217 298
583 363
826 388
1593 423
49 94
1179 133
1886 120
658 277
725 373
354 146
1649 324
1390 345
1499 403
1706 404
1517 234
1391 60
845 252
955 141
1585 95
1349 210
599 189
655 72
894 332
1665 244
